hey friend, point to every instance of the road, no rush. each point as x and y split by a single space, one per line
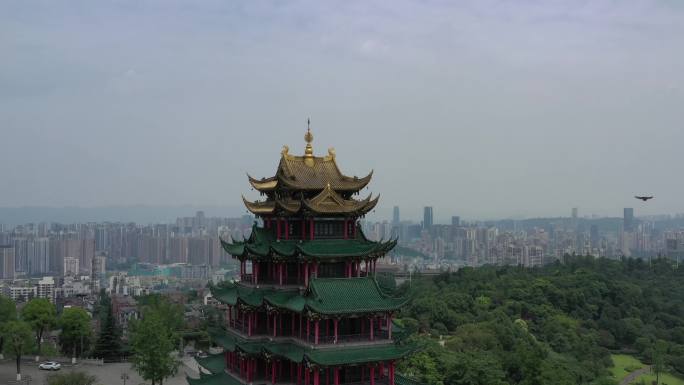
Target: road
107 374
633 375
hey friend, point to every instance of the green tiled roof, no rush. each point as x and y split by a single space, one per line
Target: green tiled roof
222 378
215 363
325 296
262 243
325 356
290 300
223 339
357 355
292 352
349 295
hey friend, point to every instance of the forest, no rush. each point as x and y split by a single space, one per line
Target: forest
558 324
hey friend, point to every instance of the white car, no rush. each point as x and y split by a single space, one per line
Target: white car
50 365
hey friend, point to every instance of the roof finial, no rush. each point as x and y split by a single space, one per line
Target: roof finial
308 137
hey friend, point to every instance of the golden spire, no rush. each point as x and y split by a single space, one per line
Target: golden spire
308 137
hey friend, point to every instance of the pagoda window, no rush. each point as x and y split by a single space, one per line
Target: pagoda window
332 270
329 229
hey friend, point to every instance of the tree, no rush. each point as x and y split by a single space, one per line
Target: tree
152 342
18 341
8 312
476 368
108 343
71 378
171 313
658 358
41 316
75 334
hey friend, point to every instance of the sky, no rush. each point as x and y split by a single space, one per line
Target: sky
483 109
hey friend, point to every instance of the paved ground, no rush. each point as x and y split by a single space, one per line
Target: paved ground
633 375
107 374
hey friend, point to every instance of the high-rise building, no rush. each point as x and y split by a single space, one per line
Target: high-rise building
340 303
38 256
427 217
455 221
98 272
594 236
628 219
395 216
7 262
71 266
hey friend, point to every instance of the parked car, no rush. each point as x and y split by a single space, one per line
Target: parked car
50 365
201 354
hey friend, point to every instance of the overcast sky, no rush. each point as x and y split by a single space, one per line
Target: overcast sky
487 109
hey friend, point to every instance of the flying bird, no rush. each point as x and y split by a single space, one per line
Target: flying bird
643 198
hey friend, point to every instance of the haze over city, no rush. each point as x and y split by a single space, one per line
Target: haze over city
486 109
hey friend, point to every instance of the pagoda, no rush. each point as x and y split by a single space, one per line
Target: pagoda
307 309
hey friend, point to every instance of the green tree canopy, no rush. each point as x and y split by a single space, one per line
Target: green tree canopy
18 340
75 332
8 312
41 315
108 345
152 342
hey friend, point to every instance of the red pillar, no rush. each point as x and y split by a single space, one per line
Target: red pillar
382 370
300 326
306 376
287 229
335 320
358 269
249 324
367 268
391 373
389 326
336 374
316 379
345 228
306 274
371 328
311 229
278 229
275 325
255 272
299 373
372 375
273 372
316 333
280 274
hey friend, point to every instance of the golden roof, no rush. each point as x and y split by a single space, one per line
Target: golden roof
309 172
326 202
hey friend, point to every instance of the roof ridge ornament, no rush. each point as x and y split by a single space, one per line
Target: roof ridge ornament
308 152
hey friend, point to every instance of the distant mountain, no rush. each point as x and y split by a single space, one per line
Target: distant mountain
11 216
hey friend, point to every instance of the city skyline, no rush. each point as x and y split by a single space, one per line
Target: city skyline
150 214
